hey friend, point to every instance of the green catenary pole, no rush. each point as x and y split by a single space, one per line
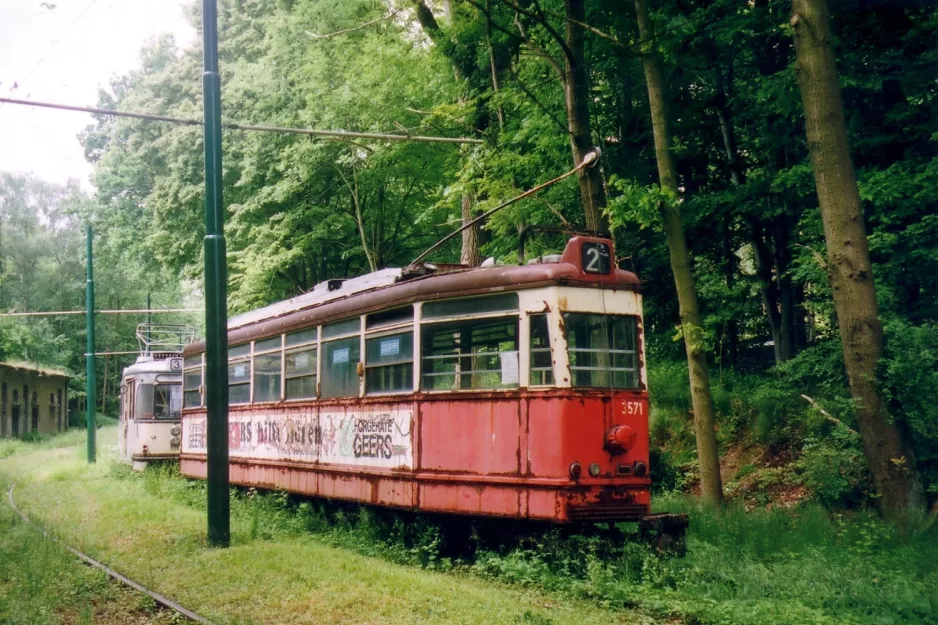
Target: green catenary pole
89 352
216 296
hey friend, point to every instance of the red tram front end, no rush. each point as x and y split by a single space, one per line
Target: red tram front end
507 391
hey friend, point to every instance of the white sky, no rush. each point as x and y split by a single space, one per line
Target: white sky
78 57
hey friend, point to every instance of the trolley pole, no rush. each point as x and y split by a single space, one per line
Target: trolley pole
89 352
216 291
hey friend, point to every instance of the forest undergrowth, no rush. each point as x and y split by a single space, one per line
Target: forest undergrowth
799 541
782 565
825 556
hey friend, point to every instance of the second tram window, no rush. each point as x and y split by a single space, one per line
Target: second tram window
473 354
389 363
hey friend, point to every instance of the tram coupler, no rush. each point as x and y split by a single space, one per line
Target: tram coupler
665 532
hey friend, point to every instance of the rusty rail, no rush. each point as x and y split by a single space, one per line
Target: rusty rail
158 598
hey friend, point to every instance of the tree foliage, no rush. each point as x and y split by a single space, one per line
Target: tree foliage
301 210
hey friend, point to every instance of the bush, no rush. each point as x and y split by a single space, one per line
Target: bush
909 371
835 470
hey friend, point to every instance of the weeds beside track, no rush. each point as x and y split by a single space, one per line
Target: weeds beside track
156 597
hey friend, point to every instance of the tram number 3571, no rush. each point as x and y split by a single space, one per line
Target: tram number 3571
634 408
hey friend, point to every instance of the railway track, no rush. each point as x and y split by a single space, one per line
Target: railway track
157 597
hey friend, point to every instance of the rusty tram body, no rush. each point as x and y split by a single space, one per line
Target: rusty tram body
505 391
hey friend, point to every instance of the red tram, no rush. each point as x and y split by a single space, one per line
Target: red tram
506 391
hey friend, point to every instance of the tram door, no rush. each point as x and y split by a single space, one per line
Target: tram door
127 426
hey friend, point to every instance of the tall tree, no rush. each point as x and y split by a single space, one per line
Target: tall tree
573 72
669 207
467 72
849 268
576 96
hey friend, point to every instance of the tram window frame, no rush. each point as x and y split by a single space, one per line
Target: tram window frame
607 375
169 386
382 325
498 304
188 390
146 399
544 373
297 343
381 376
238 356
429 353
341 337
264 350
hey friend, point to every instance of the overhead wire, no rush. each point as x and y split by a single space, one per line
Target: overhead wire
18 83
189 121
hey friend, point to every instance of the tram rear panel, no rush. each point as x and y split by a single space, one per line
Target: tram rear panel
151 396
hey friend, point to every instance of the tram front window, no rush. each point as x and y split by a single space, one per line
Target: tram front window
602 349
159 401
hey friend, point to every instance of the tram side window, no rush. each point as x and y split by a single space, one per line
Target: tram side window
340 359
239 374
144 403
301 373
602 349
389 363
267 369
542 371
192 382
472 354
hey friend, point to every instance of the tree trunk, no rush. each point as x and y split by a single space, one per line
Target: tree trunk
849 269
104 390
707 454
464 72
730 346
470 236
727 131
576 99
785 343
493 66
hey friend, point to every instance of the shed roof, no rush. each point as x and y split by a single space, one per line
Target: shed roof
24 367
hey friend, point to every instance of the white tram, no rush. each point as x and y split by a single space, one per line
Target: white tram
151 396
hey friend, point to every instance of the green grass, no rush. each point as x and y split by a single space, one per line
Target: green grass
41 583
780 567
152 528
296 561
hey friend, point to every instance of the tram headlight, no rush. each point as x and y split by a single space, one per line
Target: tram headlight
175 430
640 469
575 470
594 469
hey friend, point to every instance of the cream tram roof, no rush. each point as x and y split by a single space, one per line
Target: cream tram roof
337 299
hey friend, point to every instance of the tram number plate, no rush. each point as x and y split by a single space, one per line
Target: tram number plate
636 408
595 258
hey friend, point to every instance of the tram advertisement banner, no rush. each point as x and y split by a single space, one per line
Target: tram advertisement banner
374 436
